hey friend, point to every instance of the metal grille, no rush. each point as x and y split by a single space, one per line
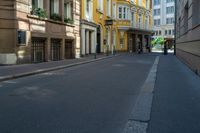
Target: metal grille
38 50
55 49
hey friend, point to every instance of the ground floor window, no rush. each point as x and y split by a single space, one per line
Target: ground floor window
37 50
55 49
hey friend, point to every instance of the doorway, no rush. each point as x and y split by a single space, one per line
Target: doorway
69 49
98 47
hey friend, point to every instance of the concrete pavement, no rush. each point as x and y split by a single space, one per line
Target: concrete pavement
176 102
17 71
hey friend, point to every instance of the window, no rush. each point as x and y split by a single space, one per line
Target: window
170 32
88 9
100 5
88 6
147 4
128 14
170 10
146 23
124 13
68 6
160 32
120 12
165 32
133 19
168 1
156 12
108 8
140 2
54 7
156 2
156 22
140 21
37 4
170 20
114 11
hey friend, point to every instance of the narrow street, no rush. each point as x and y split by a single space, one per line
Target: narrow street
90 98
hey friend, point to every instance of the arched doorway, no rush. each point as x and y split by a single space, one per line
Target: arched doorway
98 39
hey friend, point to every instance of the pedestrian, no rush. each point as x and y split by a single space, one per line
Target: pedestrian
138 45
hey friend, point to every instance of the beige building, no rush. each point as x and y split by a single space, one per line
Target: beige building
39 30
188 32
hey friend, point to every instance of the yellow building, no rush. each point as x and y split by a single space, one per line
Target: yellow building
109 25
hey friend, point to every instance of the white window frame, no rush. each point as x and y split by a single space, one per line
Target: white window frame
89 11
108 8
114 11
125 12
140 2
133 19
100 5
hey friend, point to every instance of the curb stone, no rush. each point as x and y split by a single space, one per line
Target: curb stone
138 120
15 76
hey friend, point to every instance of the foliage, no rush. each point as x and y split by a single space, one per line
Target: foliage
158 40
41 13
56 17
69 20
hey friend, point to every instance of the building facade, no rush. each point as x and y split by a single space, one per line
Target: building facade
188 33
141 25
115 25
39 30
163 14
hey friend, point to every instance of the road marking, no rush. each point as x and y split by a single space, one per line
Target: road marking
48 73
135 127
118 65
10 82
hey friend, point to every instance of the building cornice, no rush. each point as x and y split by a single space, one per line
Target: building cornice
86 22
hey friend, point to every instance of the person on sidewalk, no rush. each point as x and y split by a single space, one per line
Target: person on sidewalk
138 44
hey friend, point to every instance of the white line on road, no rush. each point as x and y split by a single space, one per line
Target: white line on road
10 82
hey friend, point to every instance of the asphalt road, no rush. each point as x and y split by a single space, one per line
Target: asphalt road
91 98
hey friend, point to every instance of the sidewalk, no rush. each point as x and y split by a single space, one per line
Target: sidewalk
176 102
16 71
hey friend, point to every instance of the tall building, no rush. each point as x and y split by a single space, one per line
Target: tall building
188 32
109 25
39 30
163 15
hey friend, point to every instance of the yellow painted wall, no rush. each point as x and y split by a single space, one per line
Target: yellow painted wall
100 17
